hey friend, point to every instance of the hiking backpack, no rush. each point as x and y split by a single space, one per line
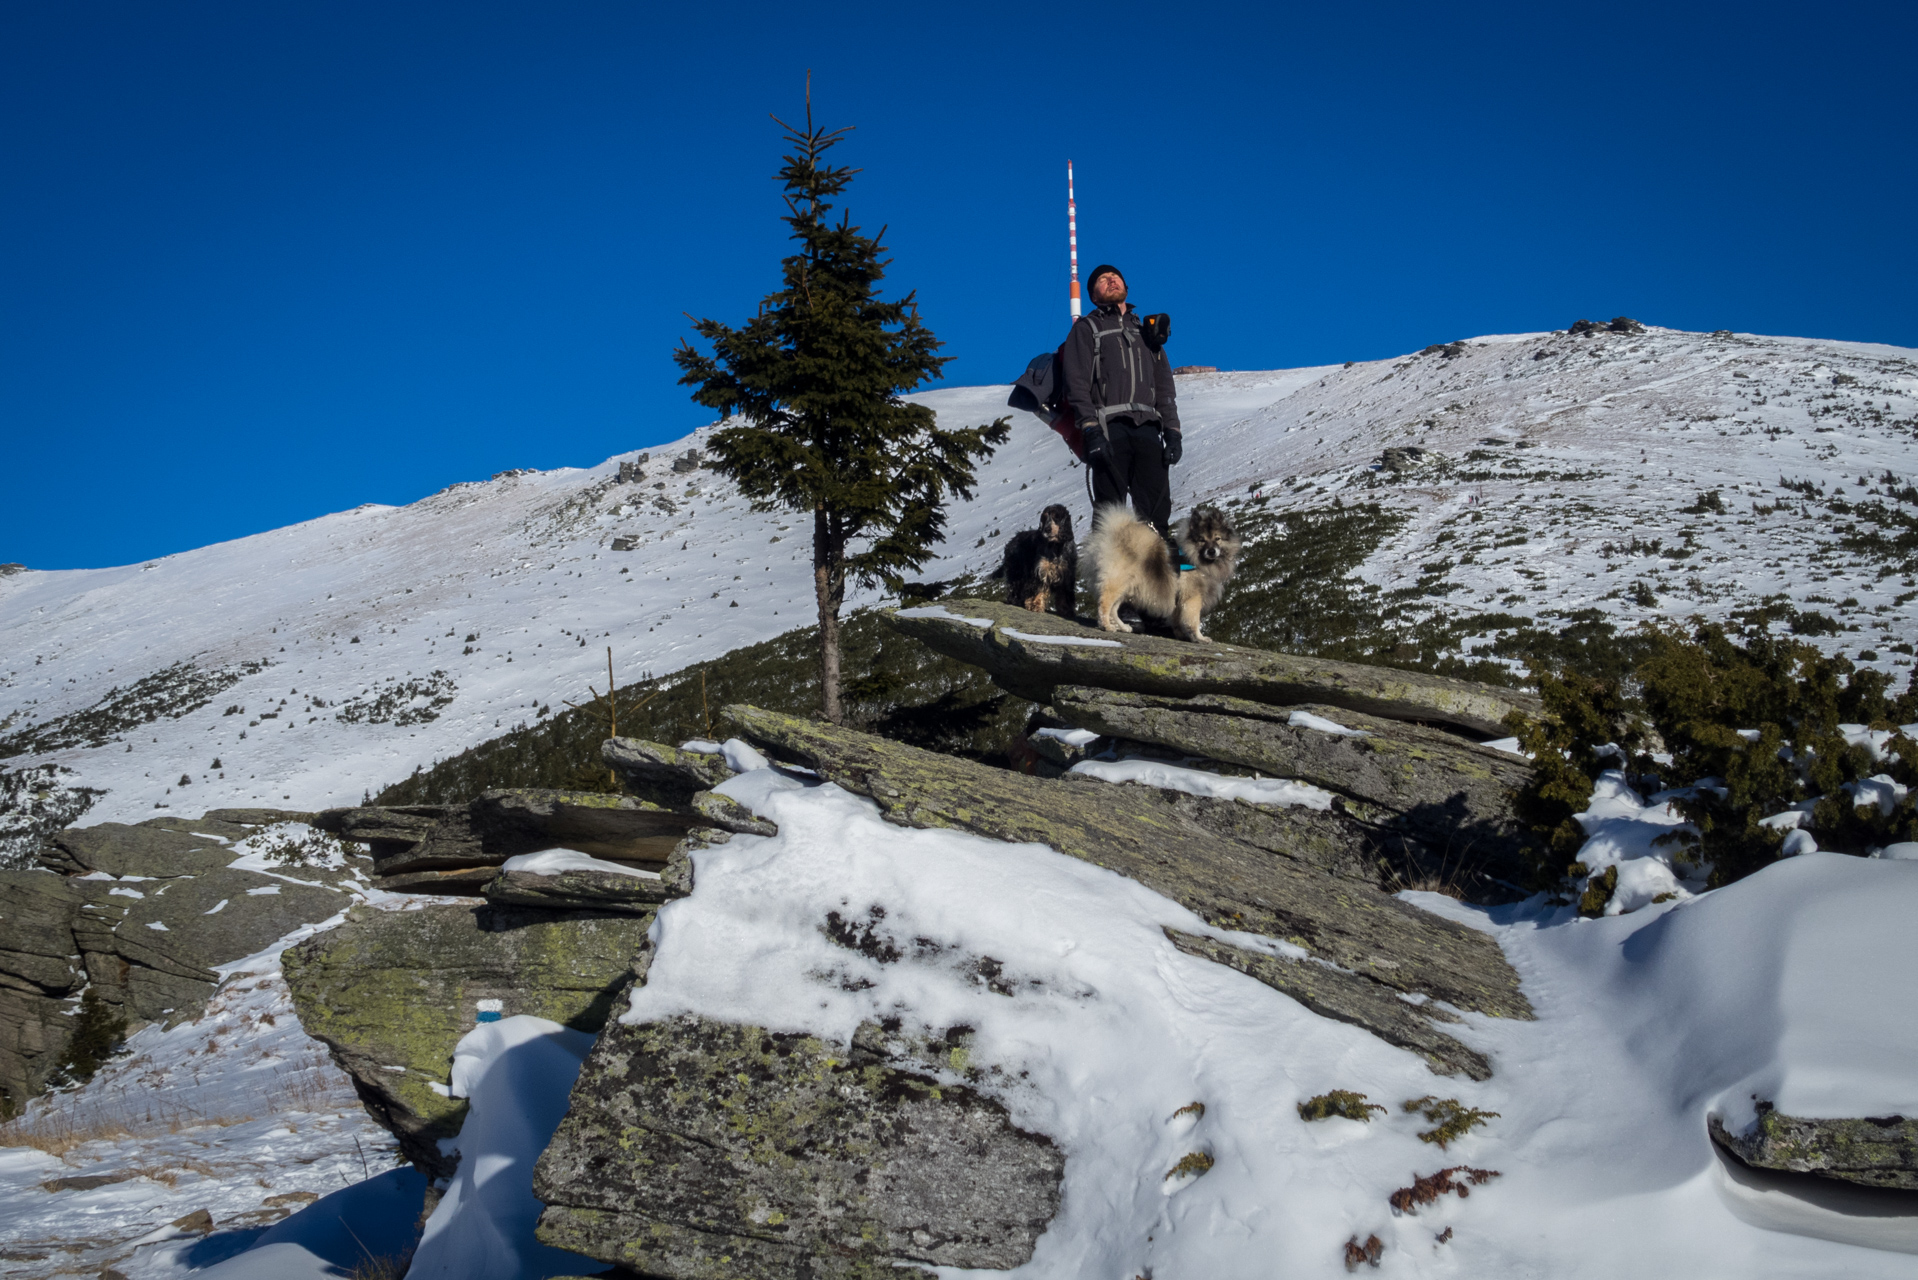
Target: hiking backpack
1041 389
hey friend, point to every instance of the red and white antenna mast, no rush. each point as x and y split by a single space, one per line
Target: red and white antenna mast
1072 238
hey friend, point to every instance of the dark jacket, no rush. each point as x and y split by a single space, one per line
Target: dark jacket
1111 373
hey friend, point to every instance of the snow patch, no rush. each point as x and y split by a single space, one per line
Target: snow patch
517 1073
550 862
1198 782
1084 642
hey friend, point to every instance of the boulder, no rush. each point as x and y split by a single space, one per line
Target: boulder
696 1149
390 993
1031 655
663 774
622 828
1455 796
1873 1151
383 829
1282 887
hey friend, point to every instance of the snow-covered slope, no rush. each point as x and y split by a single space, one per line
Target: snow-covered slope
352 648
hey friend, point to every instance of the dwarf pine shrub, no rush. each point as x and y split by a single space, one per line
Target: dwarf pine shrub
1450 1118
99 1031
1751 723
1582 713
1343 1103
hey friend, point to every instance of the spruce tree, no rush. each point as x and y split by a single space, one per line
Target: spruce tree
814 382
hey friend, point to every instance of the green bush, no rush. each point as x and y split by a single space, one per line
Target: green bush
1703 689
1751 724
1451 1118
1343 1103
1581 713
99 1032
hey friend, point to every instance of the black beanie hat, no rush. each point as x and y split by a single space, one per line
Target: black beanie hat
1104 268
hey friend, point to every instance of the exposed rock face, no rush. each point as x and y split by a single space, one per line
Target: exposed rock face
141 913
458 849
391 993
699 1149
37 975
1874 1151
1282 886
1035 668
1453 794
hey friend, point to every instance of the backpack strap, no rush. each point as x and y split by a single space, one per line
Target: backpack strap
1142 411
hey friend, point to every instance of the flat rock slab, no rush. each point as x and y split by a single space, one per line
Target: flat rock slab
1371 937
1456 794
701 1150
580 890
431 849
391 993
1873 1151
625 828
1032 654
163 847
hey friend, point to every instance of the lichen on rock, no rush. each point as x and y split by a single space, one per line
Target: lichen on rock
391 993
697 1149
1872 1151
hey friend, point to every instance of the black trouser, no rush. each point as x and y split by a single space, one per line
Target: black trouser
1135 470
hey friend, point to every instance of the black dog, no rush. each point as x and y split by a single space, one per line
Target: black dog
1042 565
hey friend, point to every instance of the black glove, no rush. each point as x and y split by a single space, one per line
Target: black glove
1095 444
1174 447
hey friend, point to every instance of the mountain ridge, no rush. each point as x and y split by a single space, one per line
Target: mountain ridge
391 637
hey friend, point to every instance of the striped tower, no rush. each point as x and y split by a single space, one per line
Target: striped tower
1072 238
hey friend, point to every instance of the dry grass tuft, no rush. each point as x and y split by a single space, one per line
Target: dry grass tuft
59 1122
382 1268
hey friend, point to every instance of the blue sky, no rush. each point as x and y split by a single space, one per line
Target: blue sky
264 260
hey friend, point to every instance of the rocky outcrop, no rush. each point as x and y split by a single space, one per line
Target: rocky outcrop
1451 794
1364 943
40 975
141 914
696 1148
458 849
390 993
1031 655
1873 1151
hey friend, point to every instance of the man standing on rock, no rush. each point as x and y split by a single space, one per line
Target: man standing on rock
1120 388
